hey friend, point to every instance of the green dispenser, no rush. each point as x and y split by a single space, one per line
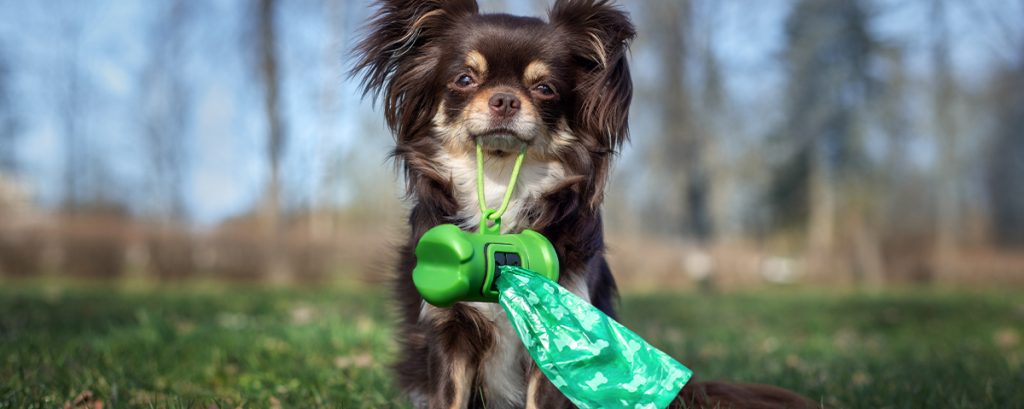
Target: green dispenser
453 265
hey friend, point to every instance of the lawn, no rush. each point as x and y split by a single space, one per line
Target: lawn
228 346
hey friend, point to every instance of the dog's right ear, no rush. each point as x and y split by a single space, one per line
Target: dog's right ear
390 56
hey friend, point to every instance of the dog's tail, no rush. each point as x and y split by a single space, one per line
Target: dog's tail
714 394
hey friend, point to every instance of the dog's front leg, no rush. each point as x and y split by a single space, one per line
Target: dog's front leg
542 394
454 384
459 337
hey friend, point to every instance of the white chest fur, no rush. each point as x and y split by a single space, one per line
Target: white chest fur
501 376
535 179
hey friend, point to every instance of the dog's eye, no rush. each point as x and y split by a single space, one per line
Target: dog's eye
544 91
464 81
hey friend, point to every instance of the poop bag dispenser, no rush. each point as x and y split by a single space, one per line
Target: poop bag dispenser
453 265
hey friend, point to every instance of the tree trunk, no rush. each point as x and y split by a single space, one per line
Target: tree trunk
821 229
947 185
278 269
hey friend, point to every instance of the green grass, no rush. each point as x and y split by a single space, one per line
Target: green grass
197 346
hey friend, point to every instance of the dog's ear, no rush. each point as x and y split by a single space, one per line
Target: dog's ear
391 57
599 34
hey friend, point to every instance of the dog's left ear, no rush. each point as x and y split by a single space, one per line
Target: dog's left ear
599 35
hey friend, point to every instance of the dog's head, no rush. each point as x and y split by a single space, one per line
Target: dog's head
451 77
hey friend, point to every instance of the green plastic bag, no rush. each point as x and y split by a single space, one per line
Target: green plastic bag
593 360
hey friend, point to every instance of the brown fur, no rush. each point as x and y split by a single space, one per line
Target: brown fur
414 55
739 396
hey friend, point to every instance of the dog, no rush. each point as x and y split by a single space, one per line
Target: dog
450 78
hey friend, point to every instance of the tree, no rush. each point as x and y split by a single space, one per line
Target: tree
1006 168
70 107
165 105
828 49
944 91
323 223
683 144
8 121
166 100
268 68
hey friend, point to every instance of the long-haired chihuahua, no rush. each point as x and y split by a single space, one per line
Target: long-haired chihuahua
450 78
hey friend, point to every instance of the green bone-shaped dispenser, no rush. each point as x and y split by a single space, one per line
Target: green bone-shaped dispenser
453 265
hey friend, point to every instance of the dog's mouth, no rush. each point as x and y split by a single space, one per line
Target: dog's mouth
501 141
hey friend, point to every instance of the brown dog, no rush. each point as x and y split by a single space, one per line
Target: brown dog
451 78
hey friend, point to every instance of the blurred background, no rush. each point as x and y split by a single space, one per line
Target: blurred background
860 142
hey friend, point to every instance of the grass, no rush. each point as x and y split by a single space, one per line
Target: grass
199 346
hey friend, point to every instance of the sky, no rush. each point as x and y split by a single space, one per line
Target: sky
328 124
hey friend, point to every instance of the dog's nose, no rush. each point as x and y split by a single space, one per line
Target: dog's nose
505 105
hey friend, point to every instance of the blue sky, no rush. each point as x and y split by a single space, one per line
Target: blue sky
328 124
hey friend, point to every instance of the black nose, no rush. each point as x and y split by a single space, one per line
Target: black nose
504 105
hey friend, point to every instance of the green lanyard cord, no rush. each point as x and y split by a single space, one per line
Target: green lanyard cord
487 214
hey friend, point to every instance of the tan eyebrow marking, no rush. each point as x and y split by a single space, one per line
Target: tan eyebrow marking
536 71
477 62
